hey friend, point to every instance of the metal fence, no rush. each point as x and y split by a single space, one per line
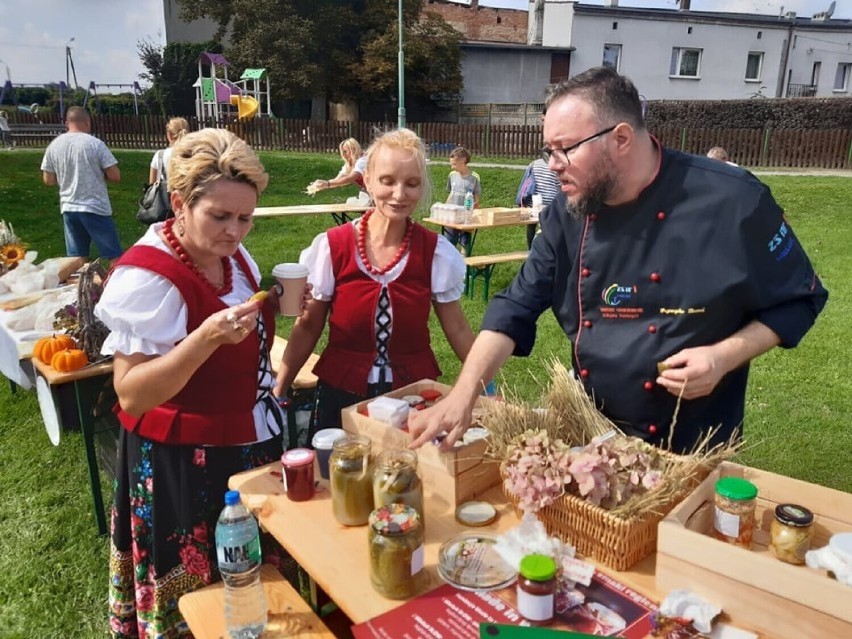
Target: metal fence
790 148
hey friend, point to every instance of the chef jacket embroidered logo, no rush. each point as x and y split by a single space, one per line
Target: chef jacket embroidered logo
614 294
617 300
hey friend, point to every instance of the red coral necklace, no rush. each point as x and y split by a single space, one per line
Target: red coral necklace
362 245
227 270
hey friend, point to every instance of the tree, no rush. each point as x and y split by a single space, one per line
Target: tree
342 49
172 71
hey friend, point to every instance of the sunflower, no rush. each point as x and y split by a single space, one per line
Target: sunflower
12 253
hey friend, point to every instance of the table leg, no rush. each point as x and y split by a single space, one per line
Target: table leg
13 387
85 391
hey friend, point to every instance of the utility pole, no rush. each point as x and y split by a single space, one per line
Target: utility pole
400 120
69 66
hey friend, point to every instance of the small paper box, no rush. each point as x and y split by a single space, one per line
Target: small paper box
389 410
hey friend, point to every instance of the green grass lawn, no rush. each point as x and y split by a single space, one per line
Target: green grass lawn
54 567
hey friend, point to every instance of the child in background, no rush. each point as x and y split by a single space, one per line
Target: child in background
460 182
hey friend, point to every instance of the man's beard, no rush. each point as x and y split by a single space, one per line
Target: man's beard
601 188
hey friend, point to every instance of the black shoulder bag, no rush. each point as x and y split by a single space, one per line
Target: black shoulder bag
155 205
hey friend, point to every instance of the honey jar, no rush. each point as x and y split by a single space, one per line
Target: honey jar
537 589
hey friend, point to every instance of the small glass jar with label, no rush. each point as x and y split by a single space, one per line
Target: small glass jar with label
733 520
396 551
537 589
351 480
395 480
790 533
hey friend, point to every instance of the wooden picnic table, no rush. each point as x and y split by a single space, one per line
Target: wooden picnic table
340 211
480 221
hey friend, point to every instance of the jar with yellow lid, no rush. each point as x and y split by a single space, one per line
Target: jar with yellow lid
396 551
733 520
790 533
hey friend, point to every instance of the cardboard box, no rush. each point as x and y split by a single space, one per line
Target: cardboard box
497 215
458 476
756 590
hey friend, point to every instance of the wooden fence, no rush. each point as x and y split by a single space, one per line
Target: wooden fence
788 148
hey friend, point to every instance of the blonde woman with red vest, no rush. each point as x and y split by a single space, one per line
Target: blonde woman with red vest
193 379
375 281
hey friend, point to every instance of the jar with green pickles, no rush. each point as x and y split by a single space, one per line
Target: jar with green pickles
395 480
396 551
351 480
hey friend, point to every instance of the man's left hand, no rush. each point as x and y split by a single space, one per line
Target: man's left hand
693 372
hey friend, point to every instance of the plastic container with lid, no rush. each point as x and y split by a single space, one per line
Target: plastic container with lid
395 480
323 441
351 480
733 520
790 533
299 473
537 589
396 551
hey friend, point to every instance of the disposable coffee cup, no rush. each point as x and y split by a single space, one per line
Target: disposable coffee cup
290 281
323 441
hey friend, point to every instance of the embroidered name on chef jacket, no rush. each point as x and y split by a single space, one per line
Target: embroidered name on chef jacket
781 243
617 299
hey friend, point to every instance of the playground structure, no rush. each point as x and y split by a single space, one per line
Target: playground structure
216 96
8 91
93 91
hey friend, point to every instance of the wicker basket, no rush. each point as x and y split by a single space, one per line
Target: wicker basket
613 541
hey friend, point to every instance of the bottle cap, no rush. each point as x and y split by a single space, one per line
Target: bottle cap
537 567
736 488
394 519
794 515
232 497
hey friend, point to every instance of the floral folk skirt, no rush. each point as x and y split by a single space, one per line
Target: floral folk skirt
167 501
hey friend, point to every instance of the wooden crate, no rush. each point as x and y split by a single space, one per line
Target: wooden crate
457 476
497 215
757 590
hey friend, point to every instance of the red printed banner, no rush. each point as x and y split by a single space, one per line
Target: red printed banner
610 609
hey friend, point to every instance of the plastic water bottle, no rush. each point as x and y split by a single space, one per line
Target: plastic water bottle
468 201
238 552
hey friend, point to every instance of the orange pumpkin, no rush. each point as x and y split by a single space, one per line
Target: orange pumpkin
47 347
69 360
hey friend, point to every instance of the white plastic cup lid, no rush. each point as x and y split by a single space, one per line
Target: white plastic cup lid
325 438
290 270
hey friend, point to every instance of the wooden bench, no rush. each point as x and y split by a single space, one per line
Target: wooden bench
482 266
35 132
289 614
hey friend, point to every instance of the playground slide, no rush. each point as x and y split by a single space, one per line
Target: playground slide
246 106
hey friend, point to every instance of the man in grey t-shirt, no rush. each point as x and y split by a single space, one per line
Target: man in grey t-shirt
81 165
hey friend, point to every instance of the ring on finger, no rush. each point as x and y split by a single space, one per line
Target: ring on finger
239 328
231 317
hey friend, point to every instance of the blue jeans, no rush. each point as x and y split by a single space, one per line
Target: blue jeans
81 229
459 239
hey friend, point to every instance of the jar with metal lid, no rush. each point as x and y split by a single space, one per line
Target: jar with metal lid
299 473
790 533
351 480
733 520
395 480
537 589
396 551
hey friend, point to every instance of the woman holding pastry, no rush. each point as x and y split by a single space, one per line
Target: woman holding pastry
374 281
193 379
352 171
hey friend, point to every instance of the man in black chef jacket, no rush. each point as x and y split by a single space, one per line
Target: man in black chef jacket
653 256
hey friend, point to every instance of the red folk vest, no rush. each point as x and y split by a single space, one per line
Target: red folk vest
215 406
346 361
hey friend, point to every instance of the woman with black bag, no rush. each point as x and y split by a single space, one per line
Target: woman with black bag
154 206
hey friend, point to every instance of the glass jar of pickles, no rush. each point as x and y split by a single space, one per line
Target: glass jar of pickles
351 480
395 480
790 533
396 551
733 519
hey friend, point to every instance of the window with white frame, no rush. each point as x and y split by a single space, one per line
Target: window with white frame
612 56
841 78
754 65
686 63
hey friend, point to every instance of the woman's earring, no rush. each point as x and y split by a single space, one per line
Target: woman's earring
181 229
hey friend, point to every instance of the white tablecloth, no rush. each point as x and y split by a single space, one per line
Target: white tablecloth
15 349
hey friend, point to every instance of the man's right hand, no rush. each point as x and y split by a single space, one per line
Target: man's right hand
451 415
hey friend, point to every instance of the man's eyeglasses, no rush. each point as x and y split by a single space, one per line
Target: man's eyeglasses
563 153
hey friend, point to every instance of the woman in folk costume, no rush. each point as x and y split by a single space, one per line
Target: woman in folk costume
374 281
193 378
